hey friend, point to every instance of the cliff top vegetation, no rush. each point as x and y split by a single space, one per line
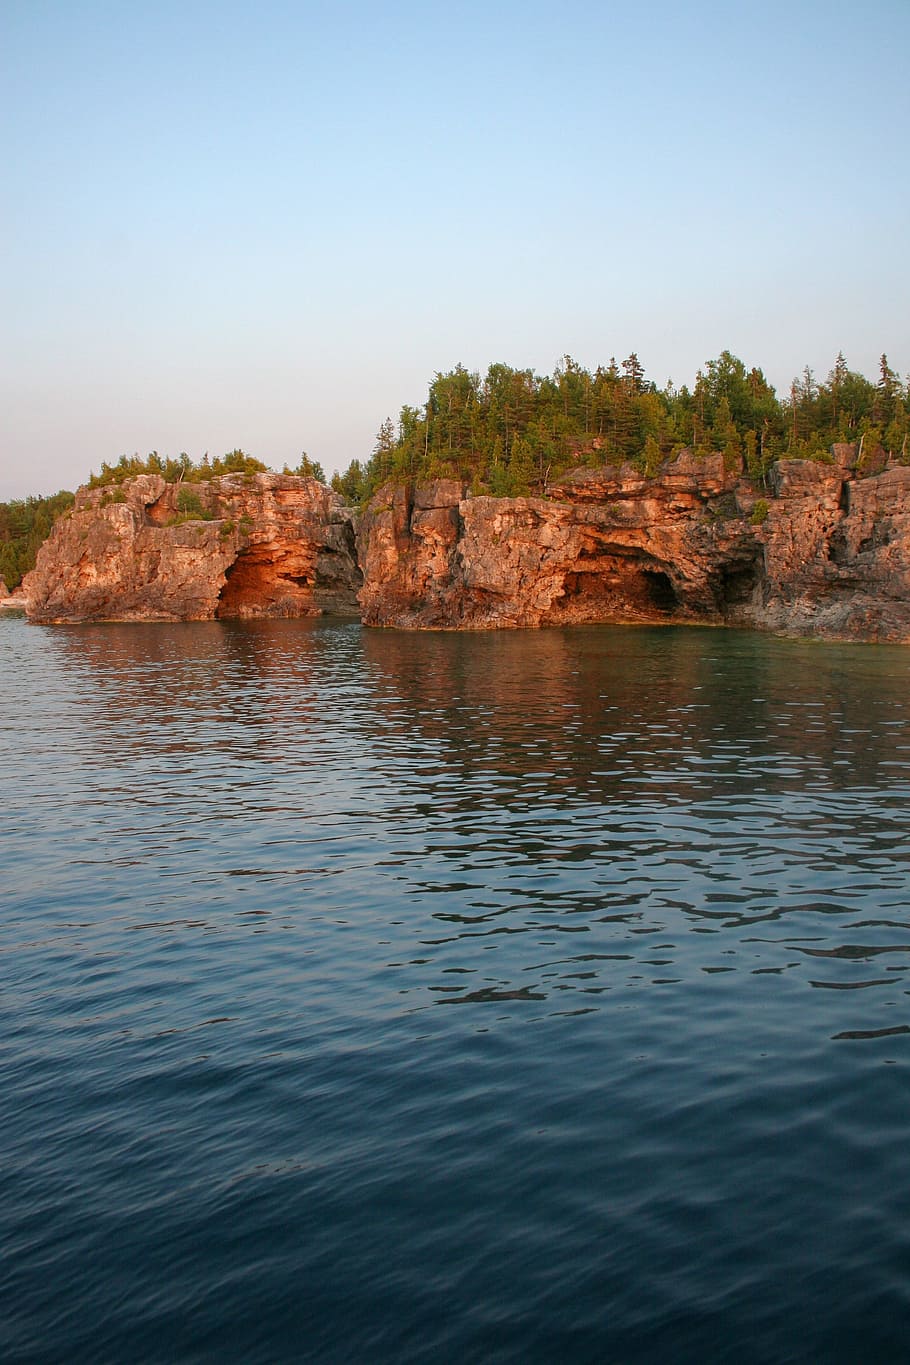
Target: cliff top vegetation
511 431
183 469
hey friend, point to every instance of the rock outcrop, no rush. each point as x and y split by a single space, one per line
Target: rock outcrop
821 553
239 545
836 554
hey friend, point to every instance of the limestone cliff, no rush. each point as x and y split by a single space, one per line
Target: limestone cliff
835 554
830 555
239 545
820 551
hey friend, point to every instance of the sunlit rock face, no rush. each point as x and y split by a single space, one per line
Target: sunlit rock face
836 553
821 550
604 545
239 545
830 556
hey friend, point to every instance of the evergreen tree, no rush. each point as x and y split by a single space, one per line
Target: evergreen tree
25 523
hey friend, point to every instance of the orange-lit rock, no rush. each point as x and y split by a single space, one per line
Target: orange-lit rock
605 545
239 545
829 553
832 556
836 552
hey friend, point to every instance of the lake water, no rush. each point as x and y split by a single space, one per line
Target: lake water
384 997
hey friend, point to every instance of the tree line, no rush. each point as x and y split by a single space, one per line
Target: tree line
512 431
25 523
183 469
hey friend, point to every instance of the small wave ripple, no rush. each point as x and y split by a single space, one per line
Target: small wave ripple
249 869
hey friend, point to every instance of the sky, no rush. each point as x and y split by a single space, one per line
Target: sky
269 225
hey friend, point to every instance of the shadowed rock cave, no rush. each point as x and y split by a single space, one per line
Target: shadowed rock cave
277 581
738 580
262 581
659 591
617 586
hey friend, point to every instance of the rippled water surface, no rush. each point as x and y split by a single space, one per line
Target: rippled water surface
522 997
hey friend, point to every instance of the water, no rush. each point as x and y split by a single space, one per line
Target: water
521 997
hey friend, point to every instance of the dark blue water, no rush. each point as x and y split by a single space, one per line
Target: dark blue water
521 997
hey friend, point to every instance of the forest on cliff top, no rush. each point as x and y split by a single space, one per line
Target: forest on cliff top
512 431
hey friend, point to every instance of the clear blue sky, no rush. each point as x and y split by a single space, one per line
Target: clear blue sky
269 224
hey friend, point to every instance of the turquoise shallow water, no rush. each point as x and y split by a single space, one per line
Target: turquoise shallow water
371 996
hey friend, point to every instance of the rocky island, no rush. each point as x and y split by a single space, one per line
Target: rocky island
818 548
257 544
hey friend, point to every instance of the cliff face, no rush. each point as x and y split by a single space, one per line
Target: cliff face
821 552
831 556
836 554
239 545
605 545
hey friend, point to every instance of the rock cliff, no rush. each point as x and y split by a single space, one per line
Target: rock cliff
821 552
239 545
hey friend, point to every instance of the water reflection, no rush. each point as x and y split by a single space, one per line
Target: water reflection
562 712
681 708
250 866
465 804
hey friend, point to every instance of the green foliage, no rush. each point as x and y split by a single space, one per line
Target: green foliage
189 506
24 524
759 512
352 484
307 469
182 469
652 458
513 432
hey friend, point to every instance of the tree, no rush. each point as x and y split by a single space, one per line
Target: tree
886 390
724 434
307 468
634 373
384 450
352 484
25 524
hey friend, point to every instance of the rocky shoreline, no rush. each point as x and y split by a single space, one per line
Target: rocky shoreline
823 550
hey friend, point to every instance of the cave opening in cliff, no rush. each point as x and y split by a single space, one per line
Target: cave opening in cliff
659 591
738 582
620 587
261 583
